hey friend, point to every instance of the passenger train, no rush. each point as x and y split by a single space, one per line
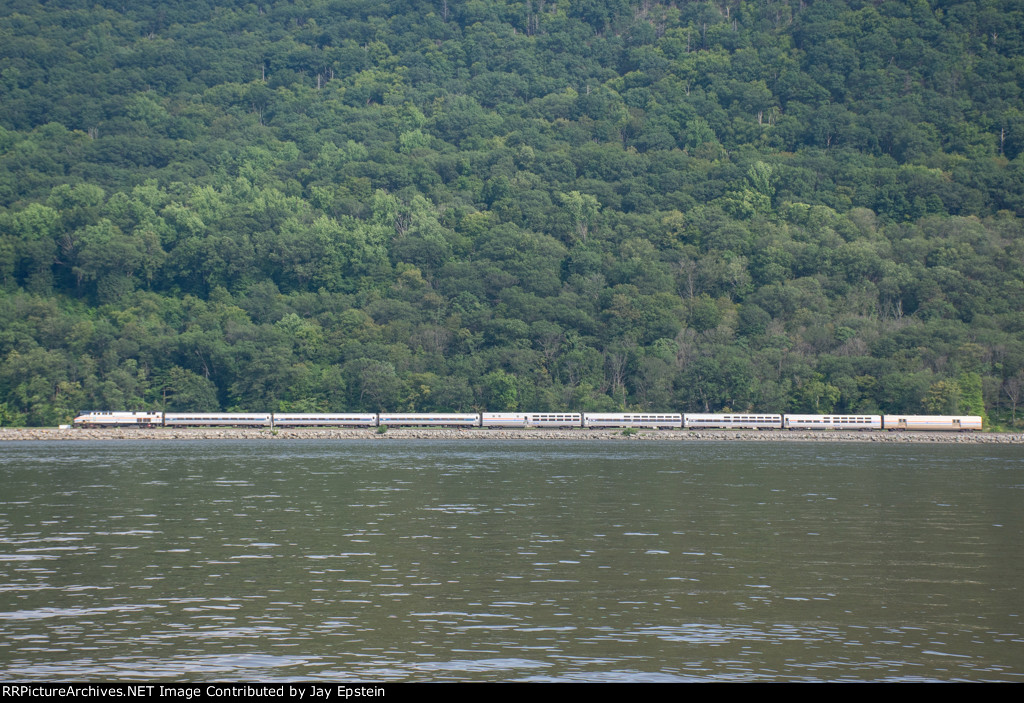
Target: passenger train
659 421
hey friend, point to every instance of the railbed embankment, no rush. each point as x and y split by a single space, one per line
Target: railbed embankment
240 433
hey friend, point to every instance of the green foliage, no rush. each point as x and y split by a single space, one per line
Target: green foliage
816 396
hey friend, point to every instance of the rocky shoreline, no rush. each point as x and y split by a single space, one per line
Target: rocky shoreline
239 433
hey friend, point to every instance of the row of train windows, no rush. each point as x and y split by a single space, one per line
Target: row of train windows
735 418
856 419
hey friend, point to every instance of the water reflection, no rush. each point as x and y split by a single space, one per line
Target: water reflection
491 561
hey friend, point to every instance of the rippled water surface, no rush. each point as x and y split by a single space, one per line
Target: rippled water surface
543 561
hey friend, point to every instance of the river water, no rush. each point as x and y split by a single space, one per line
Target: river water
510 561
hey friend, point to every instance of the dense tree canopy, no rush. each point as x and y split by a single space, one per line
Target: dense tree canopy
318 205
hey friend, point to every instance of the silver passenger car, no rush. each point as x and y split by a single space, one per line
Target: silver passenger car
732 421
832 422
651 420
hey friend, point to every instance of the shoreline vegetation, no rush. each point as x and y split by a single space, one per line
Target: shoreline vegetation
437 433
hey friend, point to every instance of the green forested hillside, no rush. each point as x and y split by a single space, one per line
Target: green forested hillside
318 205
